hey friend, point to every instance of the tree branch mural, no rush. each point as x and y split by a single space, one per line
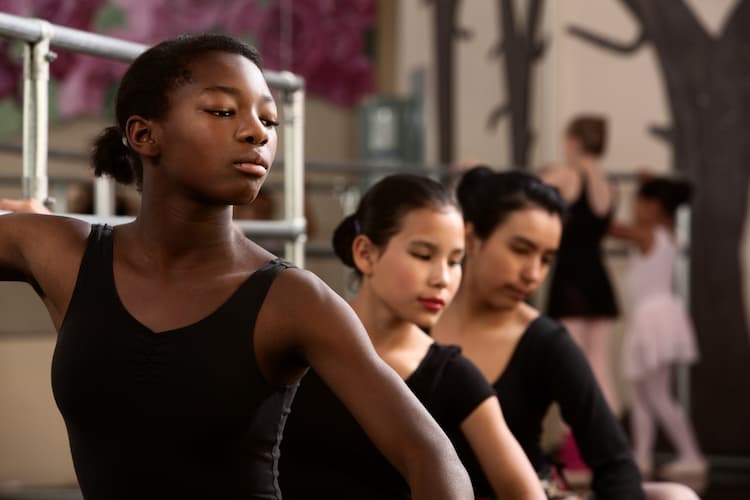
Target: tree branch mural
445 32
707 80
520 49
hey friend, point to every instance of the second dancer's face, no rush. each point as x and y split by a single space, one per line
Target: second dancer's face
418 271
511 263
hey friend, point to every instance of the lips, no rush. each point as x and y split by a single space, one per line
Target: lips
432 303
517 293
253 165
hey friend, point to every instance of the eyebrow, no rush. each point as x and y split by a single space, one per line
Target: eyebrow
233 91
527 242
433 247
422 243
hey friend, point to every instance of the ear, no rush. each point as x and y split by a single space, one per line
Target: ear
365 254
471 238
141 136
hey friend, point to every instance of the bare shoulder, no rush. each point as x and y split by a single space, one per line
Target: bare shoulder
37 234
298 295
553 174
303 322
564 178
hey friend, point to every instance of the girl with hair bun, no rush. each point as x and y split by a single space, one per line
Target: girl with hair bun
513 229
405 243
181 342
660 333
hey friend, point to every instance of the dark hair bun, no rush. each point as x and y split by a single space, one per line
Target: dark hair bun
469 184
110 156
670 193
683 192
343 238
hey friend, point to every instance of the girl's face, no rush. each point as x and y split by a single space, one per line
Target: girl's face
218 138
514 260
647 210
418 271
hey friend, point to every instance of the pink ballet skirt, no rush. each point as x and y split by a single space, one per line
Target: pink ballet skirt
659 329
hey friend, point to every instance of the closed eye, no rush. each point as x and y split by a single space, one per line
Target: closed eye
521 250
221 113
270 123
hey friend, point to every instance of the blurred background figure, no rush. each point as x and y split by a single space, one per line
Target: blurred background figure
660 333
580 293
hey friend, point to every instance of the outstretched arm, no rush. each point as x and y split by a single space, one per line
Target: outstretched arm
13 232
501 457
44 251
325 332
640 236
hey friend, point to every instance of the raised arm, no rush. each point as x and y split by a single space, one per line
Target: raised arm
326 333
13 262
501 457
640 236
41 250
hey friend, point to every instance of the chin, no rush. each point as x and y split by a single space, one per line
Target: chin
504 303
426 320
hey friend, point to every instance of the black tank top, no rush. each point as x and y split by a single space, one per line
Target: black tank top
180 414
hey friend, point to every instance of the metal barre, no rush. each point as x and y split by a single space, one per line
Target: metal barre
323 167
40 35
33 30
282 229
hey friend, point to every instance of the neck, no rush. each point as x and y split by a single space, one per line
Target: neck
383 326
472 313
173 227
587 163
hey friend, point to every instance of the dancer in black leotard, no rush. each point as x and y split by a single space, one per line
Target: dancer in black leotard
513 232
405 242
580 293
180 340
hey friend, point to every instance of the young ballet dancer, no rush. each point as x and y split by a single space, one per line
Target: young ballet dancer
513 230
180 341
405 243
659 334
580 292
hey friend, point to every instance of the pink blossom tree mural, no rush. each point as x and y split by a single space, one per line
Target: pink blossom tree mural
326 42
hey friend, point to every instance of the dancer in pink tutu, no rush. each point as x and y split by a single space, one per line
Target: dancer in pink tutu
660 334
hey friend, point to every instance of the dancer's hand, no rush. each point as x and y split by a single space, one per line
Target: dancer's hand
28 206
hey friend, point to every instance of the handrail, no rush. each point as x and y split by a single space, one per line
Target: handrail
33 30
40 36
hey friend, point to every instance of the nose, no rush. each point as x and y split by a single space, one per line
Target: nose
532 271
440 275
253 131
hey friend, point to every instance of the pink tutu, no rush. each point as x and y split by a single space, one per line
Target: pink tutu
660 333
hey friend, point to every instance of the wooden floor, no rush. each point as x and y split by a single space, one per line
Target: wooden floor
722 484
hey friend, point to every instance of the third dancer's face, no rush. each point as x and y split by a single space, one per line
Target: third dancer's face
511 263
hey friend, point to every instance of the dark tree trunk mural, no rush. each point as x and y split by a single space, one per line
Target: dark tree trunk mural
707 80
445 31
520 49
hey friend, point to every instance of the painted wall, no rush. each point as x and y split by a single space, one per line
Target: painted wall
571 78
